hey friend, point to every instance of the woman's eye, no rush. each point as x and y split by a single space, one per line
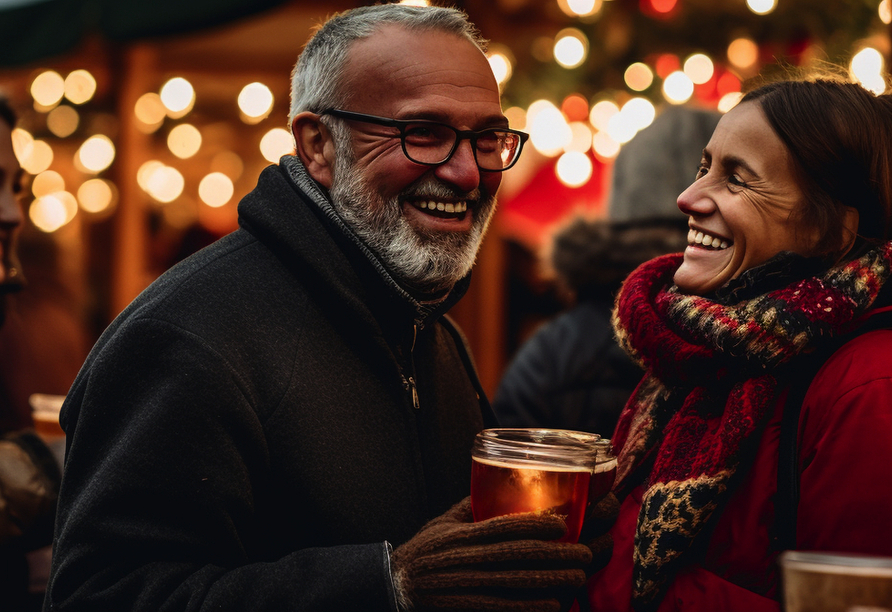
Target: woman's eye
701 171
736 181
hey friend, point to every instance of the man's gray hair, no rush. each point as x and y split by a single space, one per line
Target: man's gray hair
315 81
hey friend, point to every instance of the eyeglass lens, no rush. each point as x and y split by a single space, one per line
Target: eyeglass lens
430 143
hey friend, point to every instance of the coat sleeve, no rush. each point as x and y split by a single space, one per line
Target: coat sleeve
845 442
165 456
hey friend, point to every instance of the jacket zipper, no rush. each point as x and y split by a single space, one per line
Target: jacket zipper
409 381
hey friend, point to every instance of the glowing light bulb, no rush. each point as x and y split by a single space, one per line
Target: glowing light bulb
255 100
574 168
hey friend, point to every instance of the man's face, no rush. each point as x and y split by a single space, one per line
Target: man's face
10 215
392 202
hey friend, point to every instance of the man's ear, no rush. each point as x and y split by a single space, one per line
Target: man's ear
314 146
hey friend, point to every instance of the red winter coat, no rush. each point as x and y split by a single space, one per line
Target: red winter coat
845 504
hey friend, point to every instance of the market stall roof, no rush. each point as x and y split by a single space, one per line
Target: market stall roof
33 30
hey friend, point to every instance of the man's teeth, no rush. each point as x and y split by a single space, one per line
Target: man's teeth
449 207
696 237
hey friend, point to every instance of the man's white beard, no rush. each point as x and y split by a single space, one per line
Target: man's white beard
427 261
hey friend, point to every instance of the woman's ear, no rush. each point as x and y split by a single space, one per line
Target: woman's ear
850 221
314 146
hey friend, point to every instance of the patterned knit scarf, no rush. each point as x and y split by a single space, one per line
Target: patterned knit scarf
711 382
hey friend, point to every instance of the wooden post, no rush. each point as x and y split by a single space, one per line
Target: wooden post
129 267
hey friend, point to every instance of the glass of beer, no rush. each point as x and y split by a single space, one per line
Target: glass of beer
530 470
604 472
835 582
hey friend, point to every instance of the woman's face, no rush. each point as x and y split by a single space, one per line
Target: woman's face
740 207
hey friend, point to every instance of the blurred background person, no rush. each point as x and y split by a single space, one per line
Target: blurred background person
571 373
29 475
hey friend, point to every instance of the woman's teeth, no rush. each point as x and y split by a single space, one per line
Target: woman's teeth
449 207
699 238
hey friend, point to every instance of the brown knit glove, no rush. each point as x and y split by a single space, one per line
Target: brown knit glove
595 533
507 563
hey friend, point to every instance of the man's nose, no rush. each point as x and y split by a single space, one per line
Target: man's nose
461 170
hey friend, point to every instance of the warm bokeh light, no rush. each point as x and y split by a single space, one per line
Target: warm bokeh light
145 172
663 6
761 7
574 168
639 112
178 96
80 86
575 107
50 212
517 117
580 137
96 195
215 189
638 76
228 163
602 112
729 101
699 68
727 83
743 53
184 140
276 143
570 48
96 154
150 112
885 11
580 8
47 88
62 121
549 131
501 62
604 146
678 88
255 100
47 182
164 183
867 69
39 157
621 129
666 64
415 2
22 144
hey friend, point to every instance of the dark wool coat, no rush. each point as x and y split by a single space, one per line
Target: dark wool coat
244 436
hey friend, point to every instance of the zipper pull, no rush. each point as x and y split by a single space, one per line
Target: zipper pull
410 386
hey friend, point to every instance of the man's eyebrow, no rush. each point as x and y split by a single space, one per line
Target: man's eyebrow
499 121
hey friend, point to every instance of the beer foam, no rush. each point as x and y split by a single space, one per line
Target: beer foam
532 465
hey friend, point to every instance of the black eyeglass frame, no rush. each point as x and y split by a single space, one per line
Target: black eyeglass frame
402 125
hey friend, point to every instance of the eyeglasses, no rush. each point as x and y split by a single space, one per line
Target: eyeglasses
431 143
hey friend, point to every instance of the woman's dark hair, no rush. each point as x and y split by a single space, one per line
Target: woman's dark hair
840 138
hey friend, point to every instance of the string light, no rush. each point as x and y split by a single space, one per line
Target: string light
761 7
79 86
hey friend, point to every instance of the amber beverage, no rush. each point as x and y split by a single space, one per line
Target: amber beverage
528 470
500 488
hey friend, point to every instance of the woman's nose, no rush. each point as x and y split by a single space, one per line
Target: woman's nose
695 199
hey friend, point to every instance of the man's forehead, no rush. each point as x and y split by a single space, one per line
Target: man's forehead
397 67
